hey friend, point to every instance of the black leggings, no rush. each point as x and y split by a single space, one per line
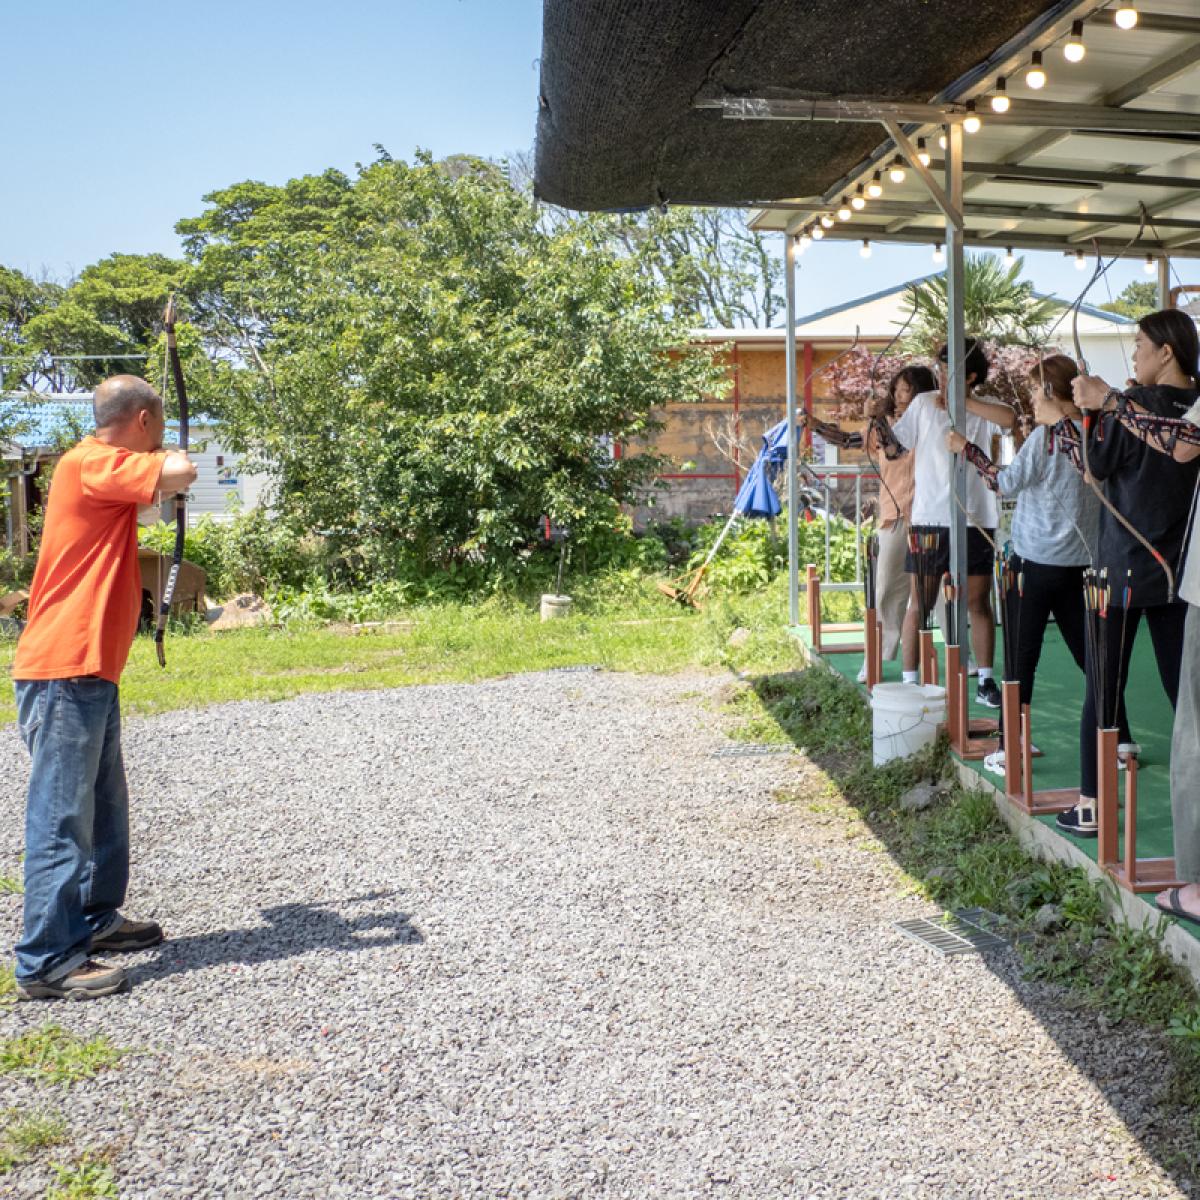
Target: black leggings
1046 591
1166 632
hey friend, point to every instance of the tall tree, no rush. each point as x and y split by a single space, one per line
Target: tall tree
720 271
424 367
67 338
1135 299
998 306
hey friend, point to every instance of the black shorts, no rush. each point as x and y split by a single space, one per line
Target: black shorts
979 550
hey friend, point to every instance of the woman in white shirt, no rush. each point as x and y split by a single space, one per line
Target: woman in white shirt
922 430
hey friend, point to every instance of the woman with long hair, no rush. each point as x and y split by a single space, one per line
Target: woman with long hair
1053 531
895 496
1154 493
1167 355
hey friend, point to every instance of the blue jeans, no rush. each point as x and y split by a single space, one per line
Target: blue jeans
76 821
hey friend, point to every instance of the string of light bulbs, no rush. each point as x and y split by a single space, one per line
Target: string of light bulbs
1125 17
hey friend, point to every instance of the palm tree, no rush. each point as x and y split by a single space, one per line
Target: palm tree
998 306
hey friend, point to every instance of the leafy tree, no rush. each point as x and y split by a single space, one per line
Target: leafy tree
423 367
1135 299
112 311
726 274
998 306
714 265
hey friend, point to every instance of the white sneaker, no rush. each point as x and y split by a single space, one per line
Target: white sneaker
862 674
994 762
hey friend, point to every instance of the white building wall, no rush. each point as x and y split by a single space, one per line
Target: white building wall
221 486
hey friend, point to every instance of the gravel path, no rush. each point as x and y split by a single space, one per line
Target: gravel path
528 937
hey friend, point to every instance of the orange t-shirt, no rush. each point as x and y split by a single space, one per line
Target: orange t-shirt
87 589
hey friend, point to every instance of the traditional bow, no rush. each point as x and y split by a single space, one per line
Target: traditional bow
168 591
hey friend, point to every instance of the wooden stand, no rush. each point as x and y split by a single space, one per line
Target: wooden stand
873 628
928 660
1018 760
968 736
813 600
1130 872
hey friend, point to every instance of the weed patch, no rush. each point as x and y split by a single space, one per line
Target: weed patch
53 1055
22 1135
89 1178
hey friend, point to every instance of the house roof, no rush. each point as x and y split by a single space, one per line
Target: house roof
41 423
886 316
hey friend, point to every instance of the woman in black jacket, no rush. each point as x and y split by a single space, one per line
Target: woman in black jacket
1154 493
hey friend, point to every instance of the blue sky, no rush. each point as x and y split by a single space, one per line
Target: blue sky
130 112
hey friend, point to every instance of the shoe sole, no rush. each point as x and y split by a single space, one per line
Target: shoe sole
47 991
1080 833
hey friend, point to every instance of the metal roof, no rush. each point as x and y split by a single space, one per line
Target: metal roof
42 422
1104 157
783 100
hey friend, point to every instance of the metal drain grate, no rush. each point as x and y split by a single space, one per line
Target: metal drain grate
572 670
750 750
964 931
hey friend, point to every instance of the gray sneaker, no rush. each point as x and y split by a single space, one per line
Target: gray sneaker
129 936
88 981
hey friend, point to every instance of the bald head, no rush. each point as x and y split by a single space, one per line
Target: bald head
119 400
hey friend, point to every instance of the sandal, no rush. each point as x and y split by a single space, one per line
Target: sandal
1174 909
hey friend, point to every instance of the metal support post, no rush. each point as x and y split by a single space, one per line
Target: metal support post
793 490
1164 282
956 393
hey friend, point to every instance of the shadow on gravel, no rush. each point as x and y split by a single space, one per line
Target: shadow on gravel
1123 1061
291 929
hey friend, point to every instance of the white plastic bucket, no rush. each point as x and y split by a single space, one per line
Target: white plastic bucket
555 607
904 718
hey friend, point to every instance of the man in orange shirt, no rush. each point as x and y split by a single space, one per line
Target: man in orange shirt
84 606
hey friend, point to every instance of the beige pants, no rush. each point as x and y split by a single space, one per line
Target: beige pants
892 585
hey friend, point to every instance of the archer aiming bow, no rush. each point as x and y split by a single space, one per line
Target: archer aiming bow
168 591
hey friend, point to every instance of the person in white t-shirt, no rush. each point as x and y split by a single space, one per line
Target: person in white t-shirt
922 430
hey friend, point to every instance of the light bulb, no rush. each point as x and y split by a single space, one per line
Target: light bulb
897 173
1073 48
972 123
805 241
1009 257
1126 17
826 221
844 213
1000 101
818 233
858 201
939 255
942 140
875 187
1035 77
865 251
922 154
1148 266
1080 262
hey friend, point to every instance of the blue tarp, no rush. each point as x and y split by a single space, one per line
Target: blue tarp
756 497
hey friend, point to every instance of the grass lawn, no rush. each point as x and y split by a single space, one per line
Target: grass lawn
640 631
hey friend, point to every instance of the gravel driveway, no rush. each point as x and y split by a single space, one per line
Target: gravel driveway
527 937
